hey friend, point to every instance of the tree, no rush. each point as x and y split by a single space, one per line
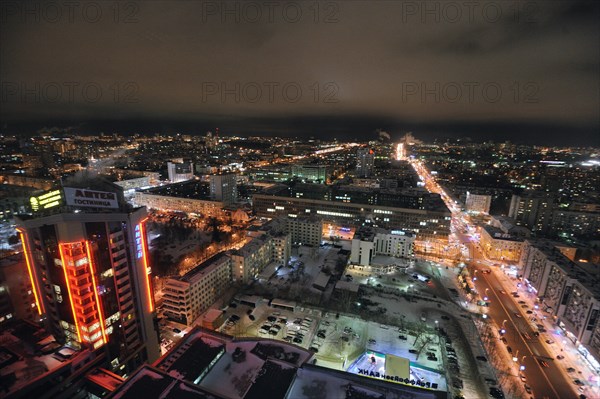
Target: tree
214 224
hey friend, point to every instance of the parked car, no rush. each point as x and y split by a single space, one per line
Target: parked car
481 358
402 337
509 349
549 341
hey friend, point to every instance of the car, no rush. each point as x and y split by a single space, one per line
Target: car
276 327
444 317
288 338
345 339
525 306
486 271
560 357
518 315
578 382
321 335
233 305
272 319
521 302
491 381
509 349
502 292
234 317
413 351
570 370
522 377
178 331
282 320
251 317
263 331
549 341
372 341
543 363
297 340
273 332
526 336
527 388
481 358
529 312
503 339
313 349
402 337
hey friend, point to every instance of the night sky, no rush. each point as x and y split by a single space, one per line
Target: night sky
522 71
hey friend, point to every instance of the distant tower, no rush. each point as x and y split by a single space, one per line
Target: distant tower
87 259
365 161
224 188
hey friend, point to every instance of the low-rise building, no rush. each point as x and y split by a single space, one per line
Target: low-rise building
370 241
305 230
186 297
478 203
248 261
498 245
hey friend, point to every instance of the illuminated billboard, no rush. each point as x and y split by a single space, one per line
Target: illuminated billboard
47 200
90 198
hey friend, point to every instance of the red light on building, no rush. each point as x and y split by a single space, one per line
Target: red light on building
142 226
79 272
31 272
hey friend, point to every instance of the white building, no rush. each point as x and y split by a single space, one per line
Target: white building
305 230
369 242
179 204
224 188
252 258
478 203
180 171
186 297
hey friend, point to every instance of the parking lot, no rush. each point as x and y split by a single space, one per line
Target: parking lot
336 340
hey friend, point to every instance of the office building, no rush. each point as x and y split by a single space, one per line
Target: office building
186 297
478 203
310 173
365 162
532 209
369 242
179 171
501 246
223 188
87 259
305 230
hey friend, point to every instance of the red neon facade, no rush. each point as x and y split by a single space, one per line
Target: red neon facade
79 272
145 263
31 272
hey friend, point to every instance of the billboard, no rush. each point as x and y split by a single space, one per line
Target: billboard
47 200
90 198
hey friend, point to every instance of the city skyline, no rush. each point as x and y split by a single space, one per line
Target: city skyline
515 71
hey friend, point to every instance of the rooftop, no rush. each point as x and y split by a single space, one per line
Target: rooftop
192 189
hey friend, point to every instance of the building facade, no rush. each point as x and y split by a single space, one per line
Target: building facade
223 188
186 297
369 242
305 230
179 171
478 203
248 261
567 290
88 264
498 245
365 162
427 224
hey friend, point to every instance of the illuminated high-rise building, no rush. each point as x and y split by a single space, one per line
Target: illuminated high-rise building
87 258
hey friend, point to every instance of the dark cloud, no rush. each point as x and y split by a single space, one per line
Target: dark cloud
166 65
